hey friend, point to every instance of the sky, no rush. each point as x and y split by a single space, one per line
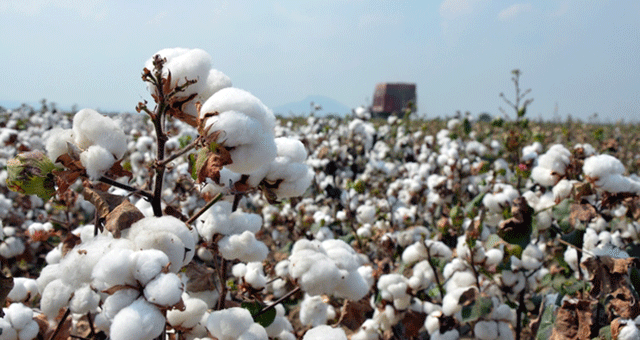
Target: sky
580 58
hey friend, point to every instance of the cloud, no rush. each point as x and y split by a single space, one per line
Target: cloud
513 11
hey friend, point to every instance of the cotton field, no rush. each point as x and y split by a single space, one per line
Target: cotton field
204 216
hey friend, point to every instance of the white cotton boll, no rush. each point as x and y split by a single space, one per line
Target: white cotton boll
494 256
422 277
55 296
140 320
414 253
279 324
324 332
532 257
315 271
241 222
238 270
366 214
229 324
254 275
352 286
246 125
92 128
8 332
23 289
118 300
56 142
113 269
571 257
255 332
97 160
452 267
314 311
282 268
167 234
18 315
448 335
602 166
324 233
11 247
243 247
438 249
145 144
450 302
147 264
84 300
504 331
29 331
460 279
562 189
164 290
189 318
486 330
629 331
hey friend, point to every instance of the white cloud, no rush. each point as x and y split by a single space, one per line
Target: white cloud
513 11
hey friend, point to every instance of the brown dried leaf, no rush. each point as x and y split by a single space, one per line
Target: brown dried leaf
117 170
581 190
47 329
582 212
573 321
117 288
201 277
214 162
624 303
65 178
103 201
69 243
122 217
355 314
412 322
608 274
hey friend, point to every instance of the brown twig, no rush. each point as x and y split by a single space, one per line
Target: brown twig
64 318
273 305
180 153
205 208
126 187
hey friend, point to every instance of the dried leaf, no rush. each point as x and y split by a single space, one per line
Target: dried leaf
118 288
65 178
582 212
573 321
413 322
517 229
47 329
69 243
201 277
608 274
122 217
117 170
103 201
624 303
209 163
355 314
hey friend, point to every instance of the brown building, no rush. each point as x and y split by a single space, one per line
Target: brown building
392 98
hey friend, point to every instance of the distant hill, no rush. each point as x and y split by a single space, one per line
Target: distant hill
303 107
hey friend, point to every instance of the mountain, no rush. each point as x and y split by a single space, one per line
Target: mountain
303 107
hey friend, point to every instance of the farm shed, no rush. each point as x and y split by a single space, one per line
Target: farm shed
392 98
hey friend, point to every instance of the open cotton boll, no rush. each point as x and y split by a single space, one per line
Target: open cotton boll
18 315
97 160
393 287
486 330
147 264
55 296
11 247
23 289
56 142
167 234
255 332
8 332
246 126
92 128
562 189
190 316
85 300
551 165
315 271
324 332
164 290
29 331
118 300
366 214
243 247
115 268
230 323
629 331
140 320
314 311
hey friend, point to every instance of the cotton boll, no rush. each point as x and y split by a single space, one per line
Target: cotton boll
56 142
117 301
494 256
243 247
164 290
113 269
324 332
314 311
92 128
8 332
140 320
55 296
29 331
18 315
315 271
97 160
147 264
486 330
414 253
448 335
229 324
438 249
189 318
505 332
23 289
450 303
85 300
562 189
255 332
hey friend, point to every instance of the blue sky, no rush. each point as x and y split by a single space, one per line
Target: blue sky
583 56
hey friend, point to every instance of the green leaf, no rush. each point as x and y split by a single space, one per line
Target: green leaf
492 241
546 323
604 333
480 307
265 319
